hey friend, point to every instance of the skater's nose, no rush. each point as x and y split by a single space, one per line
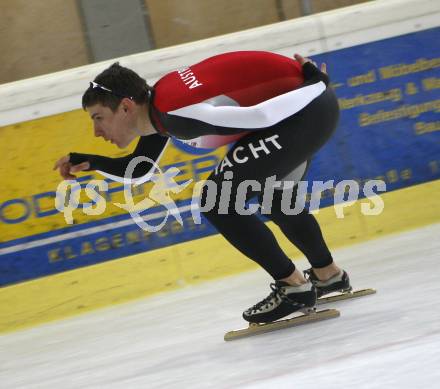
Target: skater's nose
98 130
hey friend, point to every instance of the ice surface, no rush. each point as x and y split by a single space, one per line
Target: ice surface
175 340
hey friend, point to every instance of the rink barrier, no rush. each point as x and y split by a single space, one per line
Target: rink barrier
401 83
329 31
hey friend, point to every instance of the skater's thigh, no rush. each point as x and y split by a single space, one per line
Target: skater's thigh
280 149
253 164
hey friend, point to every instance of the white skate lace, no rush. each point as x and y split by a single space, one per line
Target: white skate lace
276 295
308 275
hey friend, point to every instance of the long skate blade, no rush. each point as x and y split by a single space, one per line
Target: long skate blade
345 296
256 329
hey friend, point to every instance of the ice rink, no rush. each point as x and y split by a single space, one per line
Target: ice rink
175 340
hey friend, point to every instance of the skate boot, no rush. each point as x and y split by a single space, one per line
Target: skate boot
284 300
338 283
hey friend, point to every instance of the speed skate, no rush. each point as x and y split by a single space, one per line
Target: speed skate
259 328
349 294
310 316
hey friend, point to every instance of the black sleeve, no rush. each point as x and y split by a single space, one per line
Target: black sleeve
312 74
149 146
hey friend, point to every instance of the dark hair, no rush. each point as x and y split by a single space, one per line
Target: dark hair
122 82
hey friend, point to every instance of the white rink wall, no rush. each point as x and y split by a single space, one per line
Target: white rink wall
61 92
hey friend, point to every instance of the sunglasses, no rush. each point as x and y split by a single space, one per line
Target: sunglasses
95 85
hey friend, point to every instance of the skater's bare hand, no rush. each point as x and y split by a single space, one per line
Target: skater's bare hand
303 60
67 169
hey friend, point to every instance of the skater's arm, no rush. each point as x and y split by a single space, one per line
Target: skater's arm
114 168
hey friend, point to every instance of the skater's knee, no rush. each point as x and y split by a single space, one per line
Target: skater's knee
208 202
282 218
218 198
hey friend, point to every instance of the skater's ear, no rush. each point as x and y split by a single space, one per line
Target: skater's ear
127 105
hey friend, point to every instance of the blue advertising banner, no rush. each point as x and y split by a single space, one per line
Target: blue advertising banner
389 96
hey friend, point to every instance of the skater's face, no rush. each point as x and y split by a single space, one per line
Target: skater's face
117 126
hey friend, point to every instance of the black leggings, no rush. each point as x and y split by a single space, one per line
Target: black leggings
275 151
